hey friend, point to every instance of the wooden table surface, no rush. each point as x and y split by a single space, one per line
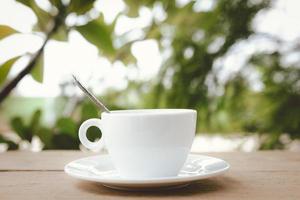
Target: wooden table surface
259 175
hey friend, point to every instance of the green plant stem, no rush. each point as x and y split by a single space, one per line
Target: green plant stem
14 82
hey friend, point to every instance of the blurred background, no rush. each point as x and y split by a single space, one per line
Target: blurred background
237 62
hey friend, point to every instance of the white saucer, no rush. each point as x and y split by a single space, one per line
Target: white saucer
100 169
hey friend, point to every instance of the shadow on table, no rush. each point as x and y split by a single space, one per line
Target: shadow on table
201 187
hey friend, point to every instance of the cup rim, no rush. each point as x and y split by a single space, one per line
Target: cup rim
147 112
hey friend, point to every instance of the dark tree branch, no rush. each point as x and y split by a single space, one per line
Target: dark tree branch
14 82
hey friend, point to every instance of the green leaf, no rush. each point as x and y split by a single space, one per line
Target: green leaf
127 58
124 54
67 126
37 72
46 137
6 31
80 6
4 69
56 3
88 111
18 126
133 8
99 34
61 34
35 121
43 17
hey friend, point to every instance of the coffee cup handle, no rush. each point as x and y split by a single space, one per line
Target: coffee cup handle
83 131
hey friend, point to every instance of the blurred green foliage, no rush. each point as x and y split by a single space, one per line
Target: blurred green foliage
63 133
196 41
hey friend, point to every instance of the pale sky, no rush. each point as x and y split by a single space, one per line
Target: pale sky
81 58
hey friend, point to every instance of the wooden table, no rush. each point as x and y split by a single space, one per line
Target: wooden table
260 175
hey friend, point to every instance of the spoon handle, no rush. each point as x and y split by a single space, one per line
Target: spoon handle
91 96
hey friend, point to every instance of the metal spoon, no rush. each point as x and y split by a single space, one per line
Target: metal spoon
92 97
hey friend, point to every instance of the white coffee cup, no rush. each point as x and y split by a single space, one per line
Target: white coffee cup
146 143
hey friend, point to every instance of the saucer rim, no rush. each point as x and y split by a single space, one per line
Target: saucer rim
148 181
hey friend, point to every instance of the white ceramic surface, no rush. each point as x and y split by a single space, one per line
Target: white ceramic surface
140 142
100 169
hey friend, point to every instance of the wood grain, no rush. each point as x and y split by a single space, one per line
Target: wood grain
259 175
55 160
46 160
